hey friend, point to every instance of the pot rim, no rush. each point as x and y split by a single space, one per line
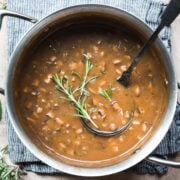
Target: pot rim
132 160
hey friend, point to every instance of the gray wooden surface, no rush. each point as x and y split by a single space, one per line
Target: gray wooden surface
173 174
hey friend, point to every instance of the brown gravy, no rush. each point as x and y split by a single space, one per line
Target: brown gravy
51 119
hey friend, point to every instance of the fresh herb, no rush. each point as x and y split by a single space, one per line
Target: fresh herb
9 172
77 74
107 93
4 5
93 109
0 111
79 102
4 150
84 80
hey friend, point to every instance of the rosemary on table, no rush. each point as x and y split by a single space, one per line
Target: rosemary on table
3 5
106 93
79 102
9 172
4 150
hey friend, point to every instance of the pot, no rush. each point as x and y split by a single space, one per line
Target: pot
79 15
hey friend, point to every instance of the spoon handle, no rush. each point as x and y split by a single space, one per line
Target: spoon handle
144 48
171 12
168 16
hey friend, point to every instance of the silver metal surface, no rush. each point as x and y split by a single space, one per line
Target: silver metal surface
2 91
15 14
99 132
178 98
161 161
47 25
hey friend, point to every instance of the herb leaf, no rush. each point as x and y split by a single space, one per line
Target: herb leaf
84 82
3 5
9 172
77 74
106 93
4 150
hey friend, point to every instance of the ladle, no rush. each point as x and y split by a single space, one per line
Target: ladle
170 13
107 133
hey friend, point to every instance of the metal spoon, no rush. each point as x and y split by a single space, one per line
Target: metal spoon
107 133
170 13
119 130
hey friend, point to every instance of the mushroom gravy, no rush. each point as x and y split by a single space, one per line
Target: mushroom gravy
51 121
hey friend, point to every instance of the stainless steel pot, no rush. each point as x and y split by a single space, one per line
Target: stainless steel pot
82 14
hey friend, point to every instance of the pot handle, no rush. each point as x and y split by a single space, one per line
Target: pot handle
161 161
178 93
2 91
15 14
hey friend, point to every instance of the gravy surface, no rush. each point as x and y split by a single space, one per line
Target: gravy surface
60 133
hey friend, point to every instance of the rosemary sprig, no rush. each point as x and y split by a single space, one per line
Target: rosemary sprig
80 106
79 103
9 172
4 150
84 80
106 93
4 5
